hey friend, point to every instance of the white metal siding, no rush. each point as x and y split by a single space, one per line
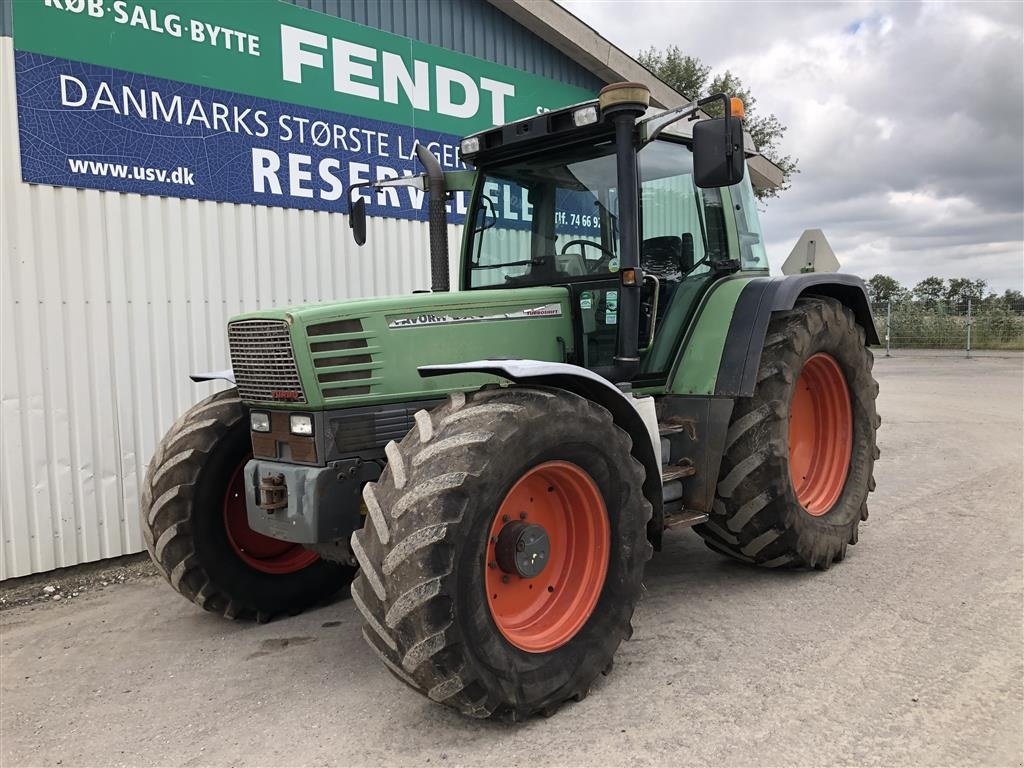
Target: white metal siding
108 302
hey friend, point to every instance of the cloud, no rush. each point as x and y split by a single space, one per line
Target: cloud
907 119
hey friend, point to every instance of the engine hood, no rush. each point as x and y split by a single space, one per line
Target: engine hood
364 351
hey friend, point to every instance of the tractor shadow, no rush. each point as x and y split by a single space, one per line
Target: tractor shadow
689 591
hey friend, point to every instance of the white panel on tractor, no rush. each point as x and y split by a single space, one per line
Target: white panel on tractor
812 253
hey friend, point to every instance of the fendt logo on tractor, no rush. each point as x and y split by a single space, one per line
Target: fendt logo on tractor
491 467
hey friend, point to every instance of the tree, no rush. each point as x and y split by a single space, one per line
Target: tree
960 289
692 78
687 74
931 290
882 288
1012 299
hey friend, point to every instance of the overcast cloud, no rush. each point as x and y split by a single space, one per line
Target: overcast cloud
907 119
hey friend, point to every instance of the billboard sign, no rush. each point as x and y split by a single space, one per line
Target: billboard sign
259 102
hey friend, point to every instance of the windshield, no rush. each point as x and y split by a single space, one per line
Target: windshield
547 219
552 218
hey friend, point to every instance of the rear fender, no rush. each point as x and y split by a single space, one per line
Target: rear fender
584 383
759 299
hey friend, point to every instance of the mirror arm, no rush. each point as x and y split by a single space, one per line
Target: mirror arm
653 127
418 181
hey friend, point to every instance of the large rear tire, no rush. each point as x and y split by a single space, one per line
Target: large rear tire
484 491
194 523
800 453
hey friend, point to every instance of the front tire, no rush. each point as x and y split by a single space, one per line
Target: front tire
449 608
194 523
800 453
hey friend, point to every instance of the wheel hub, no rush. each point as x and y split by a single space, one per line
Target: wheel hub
523 549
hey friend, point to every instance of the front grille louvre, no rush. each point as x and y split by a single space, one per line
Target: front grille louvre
263 361
346 383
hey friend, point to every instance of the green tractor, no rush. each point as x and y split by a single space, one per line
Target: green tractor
491 468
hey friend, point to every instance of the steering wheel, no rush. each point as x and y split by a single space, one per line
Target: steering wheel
610 254
602 265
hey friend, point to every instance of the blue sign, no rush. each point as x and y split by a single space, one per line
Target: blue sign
82 125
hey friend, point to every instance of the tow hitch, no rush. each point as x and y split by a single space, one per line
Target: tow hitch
273 492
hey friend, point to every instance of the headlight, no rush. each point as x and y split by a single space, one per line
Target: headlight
470 146
259 422
584 116
301 424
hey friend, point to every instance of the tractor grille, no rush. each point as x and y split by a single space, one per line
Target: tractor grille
263 361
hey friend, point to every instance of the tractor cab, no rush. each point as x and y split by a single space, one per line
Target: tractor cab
552 218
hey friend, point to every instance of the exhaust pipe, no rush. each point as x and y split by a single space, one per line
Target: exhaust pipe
437 218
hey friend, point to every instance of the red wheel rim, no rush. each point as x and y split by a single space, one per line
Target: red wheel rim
256 550
546 611
820 434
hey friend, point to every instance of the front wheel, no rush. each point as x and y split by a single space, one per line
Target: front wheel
197 532
800 453
504 551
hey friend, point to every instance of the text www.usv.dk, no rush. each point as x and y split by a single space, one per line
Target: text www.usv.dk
179 175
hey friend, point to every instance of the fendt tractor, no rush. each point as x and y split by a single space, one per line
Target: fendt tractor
490 468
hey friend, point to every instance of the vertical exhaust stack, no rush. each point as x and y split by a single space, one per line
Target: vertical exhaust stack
621 104
437 218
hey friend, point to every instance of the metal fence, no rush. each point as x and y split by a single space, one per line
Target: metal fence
968 326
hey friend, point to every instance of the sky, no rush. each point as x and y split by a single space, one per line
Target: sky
907 120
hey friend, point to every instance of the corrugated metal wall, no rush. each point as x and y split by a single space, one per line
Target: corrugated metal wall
109 301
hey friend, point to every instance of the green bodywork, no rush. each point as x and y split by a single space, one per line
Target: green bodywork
404 332
697 371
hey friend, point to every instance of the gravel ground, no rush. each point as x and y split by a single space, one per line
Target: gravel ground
72 583
908 653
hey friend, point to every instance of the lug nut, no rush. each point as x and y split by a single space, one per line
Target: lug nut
505 579
492 564
522 515
505 518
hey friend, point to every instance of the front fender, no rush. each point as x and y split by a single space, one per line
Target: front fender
227 375
584 383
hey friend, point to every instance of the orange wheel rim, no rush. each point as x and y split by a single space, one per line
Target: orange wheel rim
541 611
820 434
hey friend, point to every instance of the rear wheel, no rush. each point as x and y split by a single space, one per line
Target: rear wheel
504 551
196 530
800 453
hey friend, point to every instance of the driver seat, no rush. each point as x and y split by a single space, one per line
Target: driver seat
662 257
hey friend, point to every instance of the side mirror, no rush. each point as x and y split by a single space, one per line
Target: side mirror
718 152
357 220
